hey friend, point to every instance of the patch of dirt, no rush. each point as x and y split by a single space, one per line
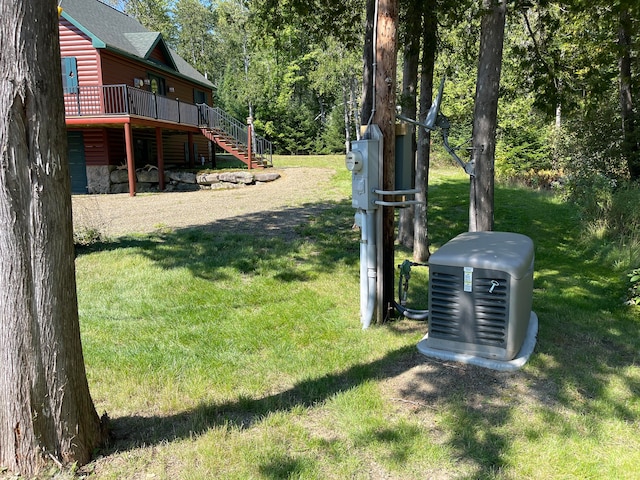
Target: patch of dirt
119 214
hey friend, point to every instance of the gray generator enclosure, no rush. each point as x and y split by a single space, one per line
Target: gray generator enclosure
480 294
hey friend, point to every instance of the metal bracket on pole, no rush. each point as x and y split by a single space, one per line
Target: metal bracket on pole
436 119
443 122
401 203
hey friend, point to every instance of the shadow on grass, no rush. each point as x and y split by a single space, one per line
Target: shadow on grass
448 385
586 340
313 235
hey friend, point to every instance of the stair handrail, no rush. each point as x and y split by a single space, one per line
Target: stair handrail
215 118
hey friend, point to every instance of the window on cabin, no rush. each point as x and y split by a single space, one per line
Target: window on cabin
199 96
69 75
157 85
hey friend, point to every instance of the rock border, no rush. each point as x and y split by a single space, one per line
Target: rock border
177 180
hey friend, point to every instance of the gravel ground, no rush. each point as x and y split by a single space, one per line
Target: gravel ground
275 207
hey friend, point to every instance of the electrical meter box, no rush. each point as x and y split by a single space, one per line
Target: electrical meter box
480 294
404 157
364 163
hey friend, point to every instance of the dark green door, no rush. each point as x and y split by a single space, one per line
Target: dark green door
77 162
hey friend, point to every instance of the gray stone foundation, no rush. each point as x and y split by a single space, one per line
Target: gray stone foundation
98 178
109 179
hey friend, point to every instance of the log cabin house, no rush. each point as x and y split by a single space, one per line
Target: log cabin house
133 104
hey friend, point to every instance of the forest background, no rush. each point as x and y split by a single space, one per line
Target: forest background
566 119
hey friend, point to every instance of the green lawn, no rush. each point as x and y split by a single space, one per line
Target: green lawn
218 355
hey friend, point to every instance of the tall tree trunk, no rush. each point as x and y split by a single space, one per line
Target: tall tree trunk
429 47
630 147
485 115
367 61
45 407
385 118
412 29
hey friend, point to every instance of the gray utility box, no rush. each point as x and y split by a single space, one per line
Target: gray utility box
364 162
480 294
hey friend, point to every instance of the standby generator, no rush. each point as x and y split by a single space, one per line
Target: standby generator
480 294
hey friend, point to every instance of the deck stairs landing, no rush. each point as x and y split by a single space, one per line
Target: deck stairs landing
234 137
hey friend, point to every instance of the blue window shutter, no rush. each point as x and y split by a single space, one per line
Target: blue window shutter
69 75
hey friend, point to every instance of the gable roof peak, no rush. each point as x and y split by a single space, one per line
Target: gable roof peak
112 29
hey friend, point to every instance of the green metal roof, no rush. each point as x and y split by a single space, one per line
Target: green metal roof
113 30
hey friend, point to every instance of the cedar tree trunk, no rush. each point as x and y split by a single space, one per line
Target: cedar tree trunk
45 408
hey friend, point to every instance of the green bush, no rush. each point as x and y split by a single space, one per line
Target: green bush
634 289
522 139
624 215
85 236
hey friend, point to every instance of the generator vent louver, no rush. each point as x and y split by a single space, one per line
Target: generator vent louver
480 289
492 310
484 321
445 312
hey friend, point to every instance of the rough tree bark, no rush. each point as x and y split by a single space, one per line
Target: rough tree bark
385 118
429 47
367 64
412 22
45 408
485 115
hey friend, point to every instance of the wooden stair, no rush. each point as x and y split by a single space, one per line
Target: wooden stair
233 137
232 146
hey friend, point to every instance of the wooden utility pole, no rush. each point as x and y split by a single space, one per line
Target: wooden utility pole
385 117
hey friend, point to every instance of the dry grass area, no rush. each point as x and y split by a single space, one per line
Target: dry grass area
120 214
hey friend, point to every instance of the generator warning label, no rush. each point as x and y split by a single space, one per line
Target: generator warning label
468 279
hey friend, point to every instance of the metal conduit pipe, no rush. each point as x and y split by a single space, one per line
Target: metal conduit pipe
364 289
368 235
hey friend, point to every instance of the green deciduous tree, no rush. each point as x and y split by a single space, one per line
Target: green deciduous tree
195 39
155 15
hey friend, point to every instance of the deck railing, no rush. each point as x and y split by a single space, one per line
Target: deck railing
115 100
216 119
101 100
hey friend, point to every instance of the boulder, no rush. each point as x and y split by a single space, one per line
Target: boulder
119 176
119 188
266 177
98 178
181 177
208 178
148 176
244 178
146 187
185 187
226 186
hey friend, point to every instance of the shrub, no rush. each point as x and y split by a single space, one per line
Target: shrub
623 215
539 179
85 236
634 289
